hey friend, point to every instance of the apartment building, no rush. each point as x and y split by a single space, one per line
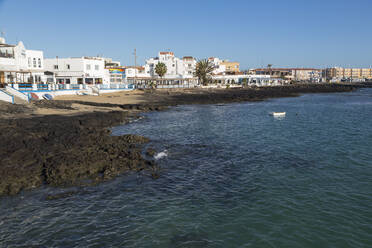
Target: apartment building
79 70
18 64
176 67
296 74
231 66
189 64
347 73
224 66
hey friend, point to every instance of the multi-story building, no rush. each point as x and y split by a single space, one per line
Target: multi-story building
218 67
297 74
224 66
306 74
189 64
18 65
114 72
231 66
136 72
347 73
80 70
176 67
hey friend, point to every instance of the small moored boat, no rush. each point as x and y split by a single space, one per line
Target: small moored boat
34 96
278 114
81 93
48 97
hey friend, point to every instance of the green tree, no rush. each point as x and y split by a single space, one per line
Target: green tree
203 71
161 69
270 66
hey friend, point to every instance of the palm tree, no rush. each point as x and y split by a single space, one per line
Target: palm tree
270 66
203 71
161 69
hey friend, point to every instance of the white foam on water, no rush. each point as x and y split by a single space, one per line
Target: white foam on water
161 155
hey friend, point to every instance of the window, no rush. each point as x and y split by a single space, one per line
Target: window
34 62
68 67
29 62
39 62
55 67
96 67
88 66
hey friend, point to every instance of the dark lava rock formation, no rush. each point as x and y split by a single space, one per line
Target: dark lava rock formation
65 151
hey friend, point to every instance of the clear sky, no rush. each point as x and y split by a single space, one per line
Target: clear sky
313 33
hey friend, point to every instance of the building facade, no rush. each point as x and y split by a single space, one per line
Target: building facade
81 70
224 66
339 73
189 64
19 65
231 66
306 74
176 67
296 74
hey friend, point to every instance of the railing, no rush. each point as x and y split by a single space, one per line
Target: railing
61 86
18 93
103 86
165 86
74 86
42 86
28 87
6 97
25 86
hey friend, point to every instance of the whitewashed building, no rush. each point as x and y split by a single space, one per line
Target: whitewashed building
219 68
19 65
80 70
176 67
189 64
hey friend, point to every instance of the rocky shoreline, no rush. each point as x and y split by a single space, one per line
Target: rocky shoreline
70 150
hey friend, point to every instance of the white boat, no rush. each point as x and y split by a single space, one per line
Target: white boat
81 93
278 114
93 91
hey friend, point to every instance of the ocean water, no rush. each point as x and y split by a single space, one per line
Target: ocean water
231 176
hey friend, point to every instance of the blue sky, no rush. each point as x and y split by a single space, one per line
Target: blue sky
283 33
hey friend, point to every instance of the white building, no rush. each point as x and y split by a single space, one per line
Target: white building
176 67
217 64
111 63
189 64
81 70
136 72
19 65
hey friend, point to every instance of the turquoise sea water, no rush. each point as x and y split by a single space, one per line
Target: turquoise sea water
233 177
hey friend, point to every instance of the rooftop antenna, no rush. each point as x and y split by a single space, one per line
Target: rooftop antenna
135 57
135 65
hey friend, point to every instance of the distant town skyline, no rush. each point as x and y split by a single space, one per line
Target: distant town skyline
283 33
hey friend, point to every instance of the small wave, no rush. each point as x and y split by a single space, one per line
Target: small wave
161 155
136 119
